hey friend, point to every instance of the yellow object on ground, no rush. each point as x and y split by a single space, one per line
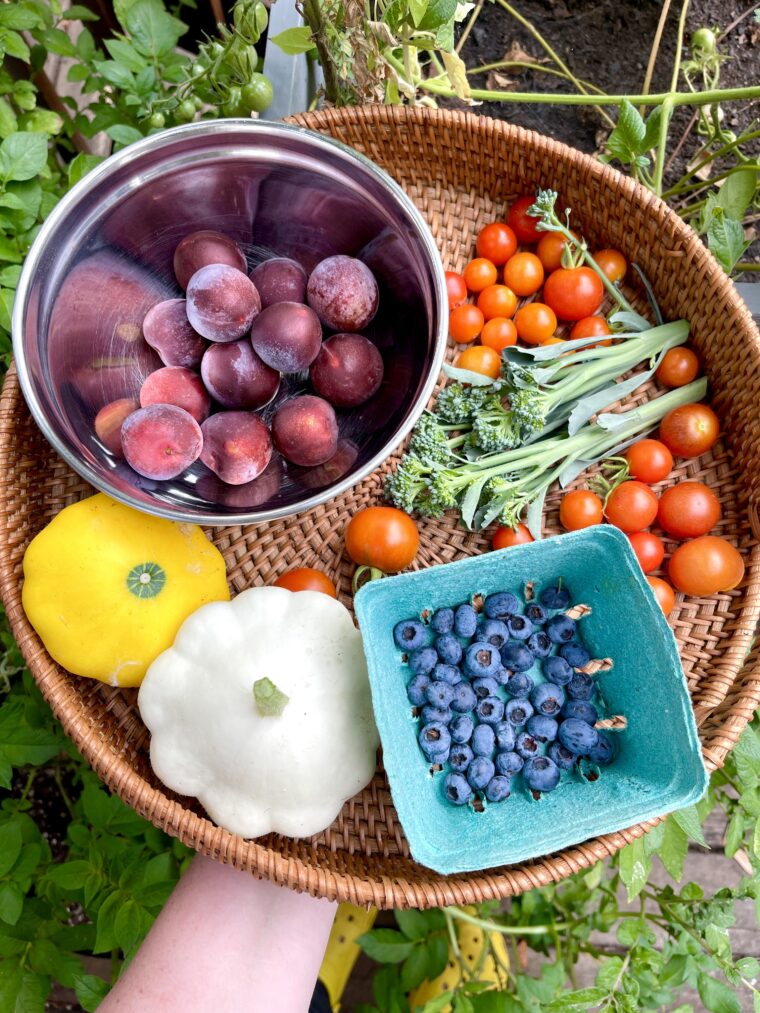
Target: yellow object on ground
107 587
342 952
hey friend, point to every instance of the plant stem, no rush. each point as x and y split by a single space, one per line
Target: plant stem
667 105
746 266
469 26
313 15
539 67
507 930
655 47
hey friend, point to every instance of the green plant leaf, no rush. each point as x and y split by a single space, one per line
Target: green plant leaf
716 995
688 820
438 951
737 192
417 10
294 40
491 1002
462 1004
114 73
672 851
651 133
414 970
628 139
69 875
153 31
105 940
634 867
10 846
412 923
23 156
386 946
386 989
12 44
6 774
81 165
78 13
735 833
19 17
26 993
11 902
90 991
725 238
8 121
585 998
439 13
123 134
128 925
125 54
56 41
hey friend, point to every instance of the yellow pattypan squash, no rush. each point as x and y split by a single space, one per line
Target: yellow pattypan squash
107 587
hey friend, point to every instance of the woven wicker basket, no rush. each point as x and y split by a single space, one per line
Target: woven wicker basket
461 171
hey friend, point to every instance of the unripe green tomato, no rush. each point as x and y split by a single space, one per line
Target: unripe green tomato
157 121
704 39
250 19
185 111
232 106
198 102
257 94
198 68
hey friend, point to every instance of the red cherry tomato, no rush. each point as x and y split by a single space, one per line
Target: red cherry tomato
498 333
649 549
497 243
705 566
304 578
613 263
664 594
688 510
679 366
504 537
522 224
573 292
632 506
580 509
383 537
649 461
456 289
465 323
690 430
524 273
591 327
479 274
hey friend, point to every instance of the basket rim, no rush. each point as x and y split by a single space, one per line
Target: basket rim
389 889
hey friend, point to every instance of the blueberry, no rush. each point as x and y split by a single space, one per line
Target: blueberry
461 728
580 687
498 788
603 752
526 746
503 676
457 790
520 627
483 740
481 659
577 736
439 694
409 635
517 657
581 709
416 689
447 673
561 756
541 773
539 643
460 757
449 649
465 698
548 698
442 621
494 631
519 685
435 714
518 711
480 772
555 597
542 728
485 687
560 629
536 613
505 736
508 763
490 710
423 660
501 605
435 741
465 621
557 670
575 654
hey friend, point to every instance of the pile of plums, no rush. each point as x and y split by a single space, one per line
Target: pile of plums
225 347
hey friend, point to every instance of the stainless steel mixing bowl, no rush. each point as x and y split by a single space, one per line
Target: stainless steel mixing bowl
104 256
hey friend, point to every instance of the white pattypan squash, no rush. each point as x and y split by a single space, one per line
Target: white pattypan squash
285 756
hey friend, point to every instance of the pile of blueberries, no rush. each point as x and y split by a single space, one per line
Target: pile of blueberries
485 736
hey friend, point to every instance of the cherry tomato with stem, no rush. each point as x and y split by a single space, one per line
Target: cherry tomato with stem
535 323
479 274
679 366
497 301
504 538
573 292
498 333
456 289
688 510
465 323
580 509
591 327
664 594
481 359
304 578
522 224
382 539
649 549
649 461
705 566
524 274
690 430
631 506
497 243
549 251
613 263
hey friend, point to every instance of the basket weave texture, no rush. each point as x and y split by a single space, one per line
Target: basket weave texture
462 171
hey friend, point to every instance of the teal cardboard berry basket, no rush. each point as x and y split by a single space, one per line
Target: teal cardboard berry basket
658 763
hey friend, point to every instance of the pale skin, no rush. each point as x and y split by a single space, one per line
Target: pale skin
227 941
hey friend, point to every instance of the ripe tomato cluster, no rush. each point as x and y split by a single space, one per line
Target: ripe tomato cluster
571 294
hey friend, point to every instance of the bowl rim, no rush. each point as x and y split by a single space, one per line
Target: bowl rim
166 138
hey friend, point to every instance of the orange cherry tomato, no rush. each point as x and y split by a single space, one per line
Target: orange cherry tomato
549 250
632 506
497 301
554 341
304 578
465 323
497 243
479 274
523 224
383 537
573 292
535 323
591 327
705 566
613 263
664 594
679 366
688 510
456 289
690 430
498 333
504 538
481 359
524 273
580 509
649 461
649 549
